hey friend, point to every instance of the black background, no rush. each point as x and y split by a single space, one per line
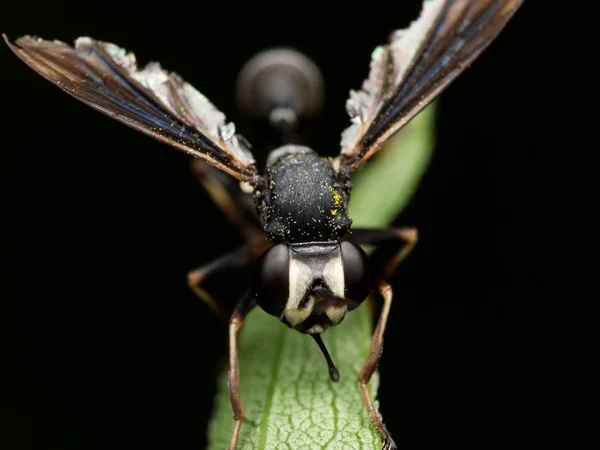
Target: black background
487 346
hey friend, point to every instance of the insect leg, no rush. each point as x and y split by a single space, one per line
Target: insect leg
236 205
235 322
237 258
385 290
387 256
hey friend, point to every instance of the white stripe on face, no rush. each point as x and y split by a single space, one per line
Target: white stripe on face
300 279
333 275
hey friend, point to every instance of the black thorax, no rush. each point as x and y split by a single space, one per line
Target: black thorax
303 202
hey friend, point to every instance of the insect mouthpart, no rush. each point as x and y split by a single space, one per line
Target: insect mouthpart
319 310
333 372
316 308
335 308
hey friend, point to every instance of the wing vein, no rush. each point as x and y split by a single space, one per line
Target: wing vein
427 56
158 104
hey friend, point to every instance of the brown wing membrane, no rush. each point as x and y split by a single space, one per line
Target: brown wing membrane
151 100
417 64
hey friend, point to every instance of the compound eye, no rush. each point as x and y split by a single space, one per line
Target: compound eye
271 280
357 276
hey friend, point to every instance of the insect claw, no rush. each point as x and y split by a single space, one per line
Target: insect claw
386 440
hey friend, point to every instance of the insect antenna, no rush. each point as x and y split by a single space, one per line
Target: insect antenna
333 372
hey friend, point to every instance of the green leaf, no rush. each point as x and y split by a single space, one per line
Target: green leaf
289 400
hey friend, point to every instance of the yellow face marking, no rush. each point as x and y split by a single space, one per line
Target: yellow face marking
336 313
315 329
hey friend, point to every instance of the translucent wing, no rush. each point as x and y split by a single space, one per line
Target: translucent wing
151 100
417 64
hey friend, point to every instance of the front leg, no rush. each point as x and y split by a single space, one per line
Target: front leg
385 290
237 319
386 256
235 204
240 257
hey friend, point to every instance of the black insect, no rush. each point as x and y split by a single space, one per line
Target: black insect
310 271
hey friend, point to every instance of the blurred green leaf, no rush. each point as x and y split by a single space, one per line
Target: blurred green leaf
289 400
385 185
